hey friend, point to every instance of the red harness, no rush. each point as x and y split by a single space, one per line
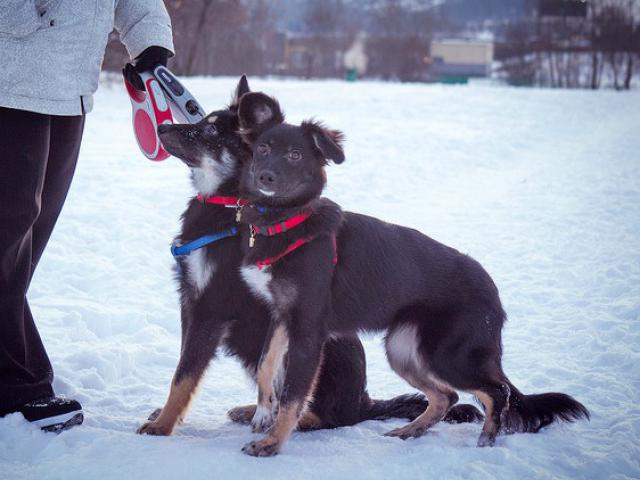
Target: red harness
281 227
288 224
269 230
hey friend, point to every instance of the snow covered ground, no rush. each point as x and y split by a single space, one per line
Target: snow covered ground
542 187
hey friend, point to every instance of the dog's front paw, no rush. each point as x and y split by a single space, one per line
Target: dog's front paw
267 447
242 415
155 428
262 420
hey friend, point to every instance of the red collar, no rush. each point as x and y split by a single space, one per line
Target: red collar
226 201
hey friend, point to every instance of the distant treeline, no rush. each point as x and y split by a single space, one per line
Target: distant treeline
229 37
308 38
601 48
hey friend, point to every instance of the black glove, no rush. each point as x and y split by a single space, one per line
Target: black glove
146 61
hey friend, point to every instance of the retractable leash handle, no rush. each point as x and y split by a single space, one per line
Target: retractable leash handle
183 104
150 109
163 95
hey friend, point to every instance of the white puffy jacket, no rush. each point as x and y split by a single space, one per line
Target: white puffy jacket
51 51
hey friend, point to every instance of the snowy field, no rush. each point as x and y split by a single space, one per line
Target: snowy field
542 187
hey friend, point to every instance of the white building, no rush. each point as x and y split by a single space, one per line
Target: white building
461 58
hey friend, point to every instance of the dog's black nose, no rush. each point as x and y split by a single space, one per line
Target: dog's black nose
164 128
267 178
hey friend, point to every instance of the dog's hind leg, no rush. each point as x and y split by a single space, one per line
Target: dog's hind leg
495 398
199 343
309 421
242 414
402 345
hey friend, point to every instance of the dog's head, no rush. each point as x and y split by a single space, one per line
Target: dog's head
212 147
287 163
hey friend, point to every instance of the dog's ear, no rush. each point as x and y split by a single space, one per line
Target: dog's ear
328 142
258 112
241 89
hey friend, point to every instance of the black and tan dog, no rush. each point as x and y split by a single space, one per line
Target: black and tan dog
218 310
439 308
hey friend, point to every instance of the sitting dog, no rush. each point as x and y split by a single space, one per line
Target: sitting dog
439 308
218 310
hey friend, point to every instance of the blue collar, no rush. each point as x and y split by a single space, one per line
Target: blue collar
187 248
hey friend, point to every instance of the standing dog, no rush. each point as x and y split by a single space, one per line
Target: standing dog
439 308
217 309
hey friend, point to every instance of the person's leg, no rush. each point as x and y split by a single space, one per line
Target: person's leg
64 146
39 155
25 371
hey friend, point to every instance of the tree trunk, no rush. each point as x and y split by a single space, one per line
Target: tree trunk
194 48
594 70
629 74
614 68
600 70
552 76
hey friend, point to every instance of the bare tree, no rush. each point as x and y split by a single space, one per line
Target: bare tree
520 64
614 40
402 39
211 36
324 22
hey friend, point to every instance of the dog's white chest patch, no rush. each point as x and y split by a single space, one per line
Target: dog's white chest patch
258 281
199 269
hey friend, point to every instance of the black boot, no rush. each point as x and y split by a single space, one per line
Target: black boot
52 414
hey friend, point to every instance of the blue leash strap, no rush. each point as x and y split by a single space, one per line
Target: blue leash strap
265 209
187 248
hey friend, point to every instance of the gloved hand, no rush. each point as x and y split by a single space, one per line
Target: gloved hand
147 60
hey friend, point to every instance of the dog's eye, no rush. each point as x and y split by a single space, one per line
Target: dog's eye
295 156
210 129
263 149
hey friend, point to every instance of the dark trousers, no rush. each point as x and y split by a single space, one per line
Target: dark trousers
38 155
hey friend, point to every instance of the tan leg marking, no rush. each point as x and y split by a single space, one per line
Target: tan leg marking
314 381
441 397
242 414
272 360
174 410
489 429
439 404
271 443
309 420
270 364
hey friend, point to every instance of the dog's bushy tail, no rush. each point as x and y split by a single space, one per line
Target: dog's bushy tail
531 413
403 406
410 406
